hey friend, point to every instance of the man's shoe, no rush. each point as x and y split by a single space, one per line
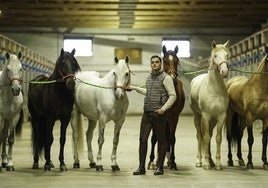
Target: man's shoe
159 171
139 171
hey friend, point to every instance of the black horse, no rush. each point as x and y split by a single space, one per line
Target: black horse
50 99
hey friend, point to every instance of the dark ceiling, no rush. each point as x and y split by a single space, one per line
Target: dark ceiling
135 14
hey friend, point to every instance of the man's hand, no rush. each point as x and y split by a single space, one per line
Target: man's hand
160 111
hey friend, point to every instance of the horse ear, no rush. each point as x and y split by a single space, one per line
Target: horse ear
19 55
213 44
61 52
116 60
226 44
7 55
127 59
164 49
73 52
176 49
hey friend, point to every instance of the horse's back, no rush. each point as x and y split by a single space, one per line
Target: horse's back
87 94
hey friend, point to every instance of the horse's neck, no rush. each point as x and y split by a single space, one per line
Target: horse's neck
5 90
109 79
214 78
259 81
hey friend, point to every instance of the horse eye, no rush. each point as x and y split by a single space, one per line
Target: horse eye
127 74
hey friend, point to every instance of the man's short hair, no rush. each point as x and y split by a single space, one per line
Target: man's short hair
156 56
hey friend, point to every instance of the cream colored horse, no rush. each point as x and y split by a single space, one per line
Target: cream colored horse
249 99
209 101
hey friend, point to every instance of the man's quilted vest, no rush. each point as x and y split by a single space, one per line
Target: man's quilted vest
156 94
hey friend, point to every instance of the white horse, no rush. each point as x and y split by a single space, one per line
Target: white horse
209 101
104 101
11 101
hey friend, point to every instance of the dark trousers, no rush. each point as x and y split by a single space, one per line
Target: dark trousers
157 122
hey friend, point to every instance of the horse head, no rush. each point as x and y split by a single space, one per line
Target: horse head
122 77
14 72
66 67
171 61
220 57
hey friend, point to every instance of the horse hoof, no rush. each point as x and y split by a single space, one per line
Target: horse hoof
151 166
76 165
4 165
115 168
198 164
47 168
173 167
250 166
35 166
265 166
0 168
51 164
99 168
218 167
241 162
92 165
10 168
63 168
206 167
230 163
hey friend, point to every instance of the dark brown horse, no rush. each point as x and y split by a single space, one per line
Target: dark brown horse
248 102
170 66
50 99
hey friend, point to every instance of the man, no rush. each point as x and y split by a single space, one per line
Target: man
159 96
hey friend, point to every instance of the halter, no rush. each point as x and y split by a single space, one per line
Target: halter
125 85
66 76
218 65
13 79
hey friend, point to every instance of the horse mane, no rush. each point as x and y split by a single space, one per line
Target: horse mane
55 74
262 67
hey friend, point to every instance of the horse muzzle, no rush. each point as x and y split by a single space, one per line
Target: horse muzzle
224 70
16 91
119 94
70 83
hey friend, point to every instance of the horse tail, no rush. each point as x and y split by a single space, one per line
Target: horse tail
18 128
80 140
38 135
235 128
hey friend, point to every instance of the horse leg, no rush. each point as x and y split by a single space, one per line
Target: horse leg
207 139
63 127
239 146
117 129
250 143
37 138
99 166
219 125
48 142
197 123
11 139
89 134
4 141
171 145
74 124
151 165
264 147
231 121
